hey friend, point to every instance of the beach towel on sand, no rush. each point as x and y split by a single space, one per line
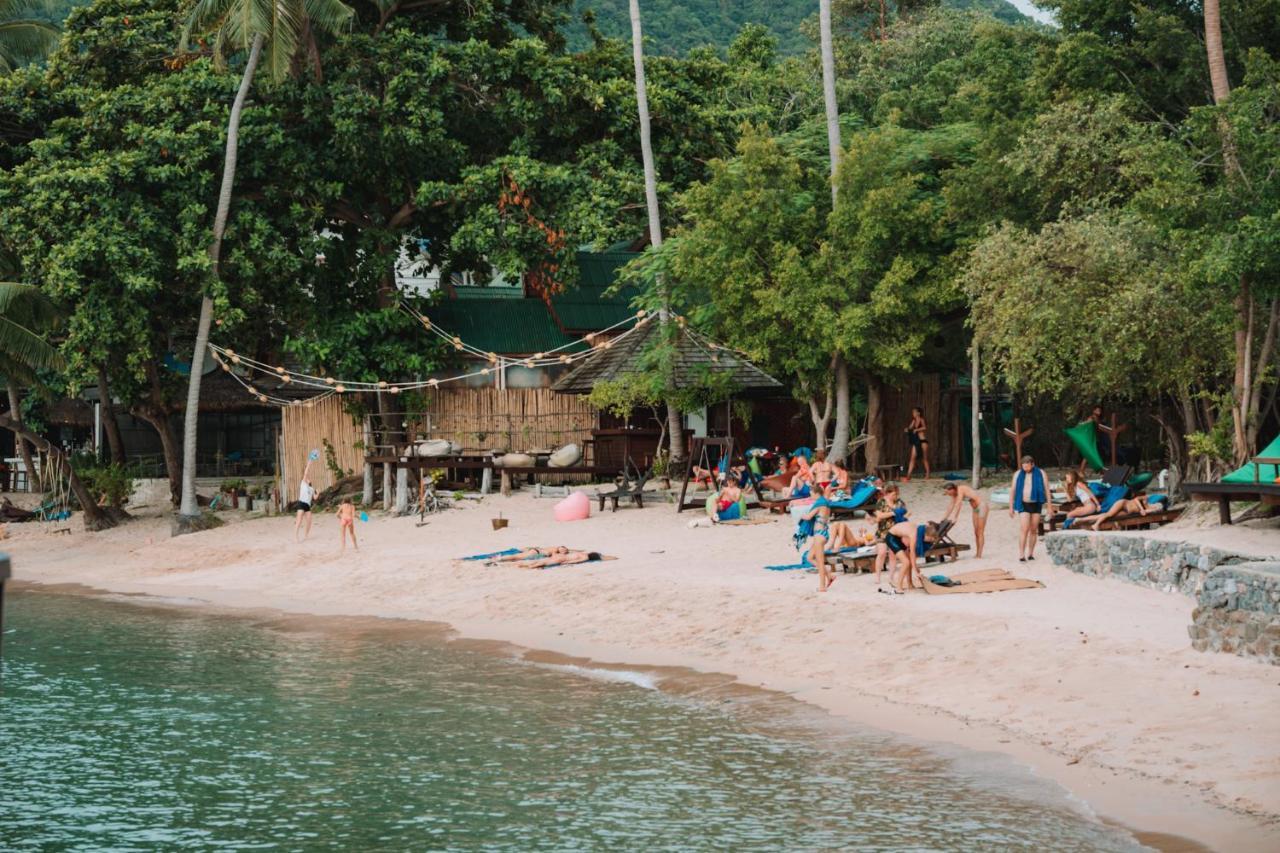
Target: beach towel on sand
506 553
863 551
985 580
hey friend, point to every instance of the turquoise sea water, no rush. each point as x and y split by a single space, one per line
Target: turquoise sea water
130 727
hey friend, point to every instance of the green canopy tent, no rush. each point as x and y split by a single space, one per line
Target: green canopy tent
1255 472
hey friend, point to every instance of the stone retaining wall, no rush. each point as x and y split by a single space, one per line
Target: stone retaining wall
1237 596
1171 566
1237 611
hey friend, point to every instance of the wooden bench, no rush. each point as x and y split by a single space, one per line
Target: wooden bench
850 564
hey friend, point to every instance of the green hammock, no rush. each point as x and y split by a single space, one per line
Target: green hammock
1250 474
1085 437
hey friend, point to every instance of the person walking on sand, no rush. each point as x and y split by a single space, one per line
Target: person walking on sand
981 507
347 524
306 497
1029 493
917 435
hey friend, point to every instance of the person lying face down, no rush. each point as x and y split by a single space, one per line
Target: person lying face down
563 557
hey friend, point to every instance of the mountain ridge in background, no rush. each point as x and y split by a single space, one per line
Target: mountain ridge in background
675 26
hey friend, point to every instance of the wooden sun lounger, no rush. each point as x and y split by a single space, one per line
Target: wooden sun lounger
1129 521
941 552
1225 493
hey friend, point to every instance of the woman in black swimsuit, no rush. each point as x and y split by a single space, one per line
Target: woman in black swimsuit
916 435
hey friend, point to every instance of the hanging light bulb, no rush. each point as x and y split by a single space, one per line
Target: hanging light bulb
484 372
640 314
252 390
262 398
493 358
540 355
286 379
340 389
395 389
564 359
457 342
528 362
328 380
295 403
382 383
280 370
434 383
235 359
426 324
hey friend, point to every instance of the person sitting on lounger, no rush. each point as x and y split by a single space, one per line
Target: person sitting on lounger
802 483
960 493
840 480
565 558
1077 489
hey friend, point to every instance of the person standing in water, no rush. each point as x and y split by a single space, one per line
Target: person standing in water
917 436
1029 493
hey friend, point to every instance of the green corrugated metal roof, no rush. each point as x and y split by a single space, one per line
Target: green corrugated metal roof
490 291
504 326
586 308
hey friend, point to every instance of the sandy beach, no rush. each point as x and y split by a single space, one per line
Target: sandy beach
1091 682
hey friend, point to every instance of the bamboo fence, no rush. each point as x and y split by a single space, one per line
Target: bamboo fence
306 428
924 391
505 419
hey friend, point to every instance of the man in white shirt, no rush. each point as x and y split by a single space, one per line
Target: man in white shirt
306 496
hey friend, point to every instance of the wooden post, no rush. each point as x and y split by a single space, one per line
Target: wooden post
1113 432
5 573
975 426
367 497
386 486
402 489
1018 434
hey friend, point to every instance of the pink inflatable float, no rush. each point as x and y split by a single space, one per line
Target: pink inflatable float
576 507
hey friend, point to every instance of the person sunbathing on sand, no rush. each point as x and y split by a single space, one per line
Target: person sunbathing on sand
564 558
531 553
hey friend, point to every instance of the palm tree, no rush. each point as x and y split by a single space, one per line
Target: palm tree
276 29
675 426
840 445
23 36
23 351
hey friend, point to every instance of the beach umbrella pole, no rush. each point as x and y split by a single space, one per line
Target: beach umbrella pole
5 574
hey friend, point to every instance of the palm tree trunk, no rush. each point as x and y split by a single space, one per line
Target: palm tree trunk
24 449
675 424
840 444
109 423
829 91
1241 412
190 507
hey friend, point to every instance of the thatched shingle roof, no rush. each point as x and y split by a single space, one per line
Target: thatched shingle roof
695 358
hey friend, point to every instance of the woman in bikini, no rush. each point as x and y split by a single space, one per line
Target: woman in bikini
532 553
825 537
895 536
821 471
1078 489
961 493
917 435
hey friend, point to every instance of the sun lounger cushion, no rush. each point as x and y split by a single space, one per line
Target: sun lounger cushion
566 456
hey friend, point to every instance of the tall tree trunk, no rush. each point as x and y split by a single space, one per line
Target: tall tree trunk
829 91
975 417
189 506
875 422
675 423
114 440
1242 412
94 517
821 418
158 419
1266 352
840 443
24 448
